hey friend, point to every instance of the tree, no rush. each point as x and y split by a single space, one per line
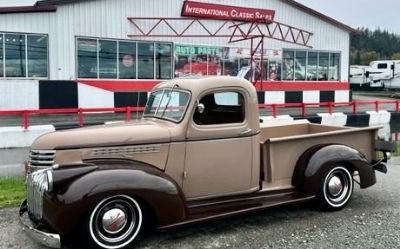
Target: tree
367 45
368 56
395 56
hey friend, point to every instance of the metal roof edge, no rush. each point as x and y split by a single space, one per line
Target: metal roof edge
27 9
55 2
42 5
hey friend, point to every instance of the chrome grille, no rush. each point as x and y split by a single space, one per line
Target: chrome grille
40 159
35 193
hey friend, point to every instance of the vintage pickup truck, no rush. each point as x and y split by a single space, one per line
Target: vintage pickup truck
199 152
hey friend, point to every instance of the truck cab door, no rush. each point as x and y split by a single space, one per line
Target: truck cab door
219 146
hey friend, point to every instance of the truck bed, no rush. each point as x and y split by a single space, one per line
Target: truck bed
283 143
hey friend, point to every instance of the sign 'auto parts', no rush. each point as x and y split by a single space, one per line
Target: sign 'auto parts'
194 50
226 12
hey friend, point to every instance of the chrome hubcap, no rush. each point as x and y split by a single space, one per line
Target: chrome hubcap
114 220
338 186
335 186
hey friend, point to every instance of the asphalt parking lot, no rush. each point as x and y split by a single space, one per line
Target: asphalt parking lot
371 220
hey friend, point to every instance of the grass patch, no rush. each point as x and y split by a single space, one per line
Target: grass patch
12 191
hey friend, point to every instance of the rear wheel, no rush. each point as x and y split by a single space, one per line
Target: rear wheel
115 222
336 188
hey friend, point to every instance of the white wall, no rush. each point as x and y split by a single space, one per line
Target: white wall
19 94
108 19
93 97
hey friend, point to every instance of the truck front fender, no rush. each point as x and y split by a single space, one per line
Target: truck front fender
316 160
67 206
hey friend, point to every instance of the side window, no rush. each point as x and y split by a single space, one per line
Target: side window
221 108
382 66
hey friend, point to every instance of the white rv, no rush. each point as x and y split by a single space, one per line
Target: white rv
358 75
383 73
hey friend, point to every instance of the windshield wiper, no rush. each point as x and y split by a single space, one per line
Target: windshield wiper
159 103
169 100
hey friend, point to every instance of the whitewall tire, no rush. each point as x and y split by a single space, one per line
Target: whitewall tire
115 222
336 188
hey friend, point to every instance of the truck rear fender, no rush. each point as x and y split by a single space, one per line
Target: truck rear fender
113 177
313 163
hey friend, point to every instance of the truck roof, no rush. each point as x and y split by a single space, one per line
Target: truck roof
197 85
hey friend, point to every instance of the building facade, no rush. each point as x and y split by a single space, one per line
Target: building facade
103 53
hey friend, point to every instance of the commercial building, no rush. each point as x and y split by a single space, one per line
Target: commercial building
103 53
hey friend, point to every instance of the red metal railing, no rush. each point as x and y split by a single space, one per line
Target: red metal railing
25 114
331 105
275 108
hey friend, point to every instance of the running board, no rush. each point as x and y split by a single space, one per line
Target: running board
218 210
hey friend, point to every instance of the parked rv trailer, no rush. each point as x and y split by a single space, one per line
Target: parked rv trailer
382 73
358 75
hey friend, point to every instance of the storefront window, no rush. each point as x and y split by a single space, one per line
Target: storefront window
1 55
265 70
323 66
300 65
253 71
15 48
127 60
23 55
145 60
107 59
334 66
312 66
197 60
182 65
274 69
183 60
230 61
163 61
87 58
288 65
37 56
121 59
214 66
230 68
244 68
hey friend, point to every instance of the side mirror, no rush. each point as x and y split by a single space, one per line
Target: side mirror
200 108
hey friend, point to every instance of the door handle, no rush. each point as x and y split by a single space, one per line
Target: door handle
245 132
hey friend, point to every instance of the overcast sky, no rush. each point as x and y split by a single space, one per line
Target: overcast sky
360 13
356 13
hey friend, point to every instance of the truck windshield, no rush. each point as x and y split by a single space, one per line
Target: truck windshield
167 103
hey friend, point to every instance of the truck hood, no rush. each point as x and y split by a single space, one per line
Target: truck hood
142 132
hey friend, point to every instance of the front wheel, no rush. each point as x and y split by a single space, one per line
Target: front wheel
115 222
336 188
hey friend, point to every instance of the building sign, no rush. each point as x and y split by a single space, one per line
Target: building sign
226 12
196 50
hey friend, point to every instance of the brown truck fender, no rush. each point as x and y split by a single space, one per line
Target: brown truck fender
313 163
69 204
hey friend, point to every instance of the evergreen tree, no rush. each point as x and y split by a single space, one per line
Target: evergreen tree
367 45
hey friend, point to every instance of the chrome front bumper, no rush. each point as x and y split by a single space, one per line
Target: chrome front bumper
48 239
